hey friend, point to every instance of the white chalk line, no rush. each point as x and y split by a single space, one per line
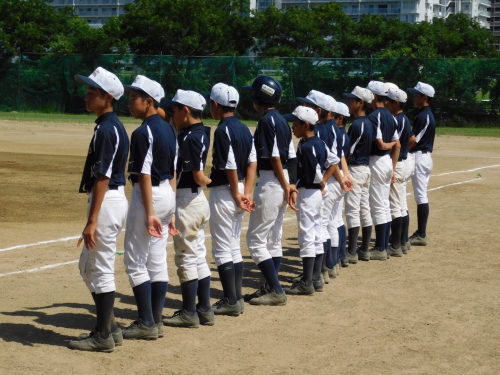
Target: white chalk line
76 261
469 170
39 243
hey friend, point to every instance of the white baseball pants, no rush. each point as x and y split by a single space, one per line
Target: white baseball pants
338 195
225 224
146 256
97 265
420 179
380 185
398 191
357 204
266 222
409 170
191 216
309 221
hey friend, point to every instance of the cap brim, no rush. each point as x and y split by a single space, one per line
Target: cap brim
127 89
167 104
290 118
305 100
206 96
248 88
413 90
350 95
86 81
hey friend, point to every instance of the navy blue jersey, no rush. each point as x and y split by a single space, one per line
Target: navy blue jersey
273 138
424 130
384 127
194 143
338 143
323 132
312 157
233 149
108 152
346 143
404 131
153 151
360 138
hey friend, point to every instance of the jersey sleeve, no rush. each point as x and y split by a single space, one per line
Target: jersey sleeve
141 152
267 142
420 127
192 154
291 150
395 136
252 157
331 158
223 150
377 123
105 147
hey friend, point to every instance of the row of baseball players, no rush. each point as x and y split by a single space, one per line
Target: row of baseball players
166 168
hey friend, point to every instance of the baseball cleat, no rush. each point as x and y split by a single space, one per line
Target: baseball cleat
207 318
182 319
326 276
223 307
117 336
296 278
259 292
408 244
299 289
161 331
353 259
138 331
395 252
363 255
332 273
344 262
241 301
404 248
318 285
376 254
337 269
416 240
270 299
94 343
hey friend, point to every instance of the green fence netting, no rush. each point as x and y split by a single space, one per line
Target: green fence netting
467 90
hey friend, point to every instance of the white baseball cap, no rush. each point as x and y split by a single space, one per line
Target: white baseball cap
316 98
360 93
377 87
150 87
342 109
332 103
224 95
397 94
423 88
391 85
103 79
188 98
303 113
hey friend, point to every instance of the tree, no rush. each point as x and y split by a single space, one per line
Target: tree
187 28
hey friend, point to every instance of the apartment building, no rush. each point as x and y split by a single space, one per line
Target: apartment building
96 12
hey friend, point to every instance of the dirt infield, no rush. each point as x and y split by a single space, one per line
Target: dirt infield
434 311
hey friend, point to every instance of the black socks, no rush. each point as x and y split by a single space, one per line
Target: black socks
307 269
227 279
422 216
238 279
204 304
318 264
142 294
367 237
380 231
104 303
189 292
396 229
353 240
267 267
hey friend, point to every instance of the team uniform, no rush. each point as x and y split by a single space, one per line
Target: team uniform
272 138
107 155
384 127
233 149
153 152
340 218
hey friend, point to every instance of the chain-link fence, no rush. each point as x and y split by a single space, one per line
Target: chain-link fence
467 91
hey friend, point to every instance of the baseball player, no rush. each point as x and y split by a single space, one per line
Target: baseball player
357 205
340 117
153 152
383 158
322 105
275 158
234 160
104 180
395 104
421 146
192 211
313 159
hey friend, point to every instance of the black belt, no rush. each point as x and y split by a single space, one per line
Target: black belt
154 182
112 187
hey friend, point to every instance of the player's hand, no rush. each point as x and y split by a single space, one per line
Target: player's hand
346 185
393 178
242 202
349 178
322 184
172 230
289 189
248 197
155 228
292 201
88 235
207 181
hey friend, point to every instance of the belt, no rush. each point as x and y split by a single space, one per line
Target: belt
112 187
154 182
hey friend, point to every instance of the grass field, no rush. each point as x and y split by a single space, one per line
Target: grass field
85 119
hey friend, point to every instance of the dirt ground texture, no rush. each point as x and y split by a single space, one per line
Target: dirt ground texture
434 311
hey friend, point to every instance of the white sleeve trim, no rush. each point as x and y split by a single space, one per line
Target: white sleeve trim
343 144
331 159
379 131
422 132
110 169
231 160
402 128
395 136
318 177
176 154
291 150
353 147
276 151
252 158
202 167
148 160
